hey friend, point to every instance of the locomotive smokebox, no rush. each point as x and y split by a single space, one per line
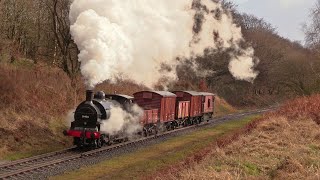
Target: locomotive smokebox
89 95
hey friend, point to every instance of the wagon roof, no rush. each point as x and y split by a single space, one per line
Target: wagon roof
161 93
164 93
207 94
120 95
192 93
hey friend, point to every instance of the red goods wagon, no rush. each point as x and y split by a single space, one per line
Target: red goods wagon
195 107
162 101
208 103
182 110
150 116
155 115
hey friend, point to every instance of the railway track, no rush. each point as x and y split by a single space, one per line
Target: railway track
32 161
25 167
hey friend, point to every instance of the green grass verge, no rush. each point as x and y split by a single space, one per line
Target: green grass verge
154 158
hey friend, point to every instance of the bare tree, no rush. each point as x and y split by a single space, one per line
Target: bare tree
250 22
25 25
60 24
312 30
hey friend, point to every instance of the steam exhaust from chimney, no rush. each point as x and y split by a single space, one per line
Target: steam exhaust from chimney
135 38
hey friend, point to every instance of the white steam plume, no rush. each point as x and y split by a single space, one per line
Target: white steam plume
135 37
69 117
122 121
241 66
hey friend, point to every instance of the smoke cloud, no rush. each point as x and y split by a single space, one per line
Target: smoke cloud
122 121
135 38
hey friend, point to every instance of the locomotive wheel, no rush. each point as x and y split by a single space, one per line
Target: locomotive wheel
77 142
99 142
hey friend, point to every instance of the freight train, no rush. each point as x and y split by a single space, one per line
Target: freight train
162 111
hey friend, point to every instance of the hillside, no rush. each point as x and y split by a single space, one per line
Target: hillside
34 103
286 69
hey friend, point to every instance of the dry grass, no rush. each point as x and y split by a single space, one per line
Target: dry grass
277 149
306 107
284 145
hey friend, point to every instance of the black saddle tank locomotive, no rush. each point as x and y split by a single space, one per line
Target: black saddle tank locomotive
88 117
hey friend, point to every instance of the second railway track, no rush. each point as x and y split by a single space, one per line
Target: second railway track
23 168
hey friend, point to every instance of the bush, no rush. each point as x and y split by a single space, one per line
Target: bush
305 107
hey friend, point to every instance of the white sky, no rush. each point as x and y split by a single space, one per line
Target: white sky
287 16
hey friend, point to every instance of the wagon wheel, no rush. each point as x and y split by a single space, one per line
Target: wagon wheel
169 127
186 123
145 133
105 140
191 122
156 130
202 119
172 126
196 121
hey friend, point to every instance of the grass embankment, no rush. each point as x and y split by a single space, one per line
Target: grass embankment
285 145
151 159
223 108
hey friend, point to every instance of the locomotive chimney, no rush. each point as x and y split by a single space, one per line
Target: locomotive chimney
89 95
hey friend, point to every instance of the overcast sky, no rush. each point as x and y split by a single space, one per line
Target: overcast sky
287 16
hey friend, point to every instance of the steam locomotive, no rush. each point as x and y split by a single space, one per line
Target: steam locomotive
162 111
